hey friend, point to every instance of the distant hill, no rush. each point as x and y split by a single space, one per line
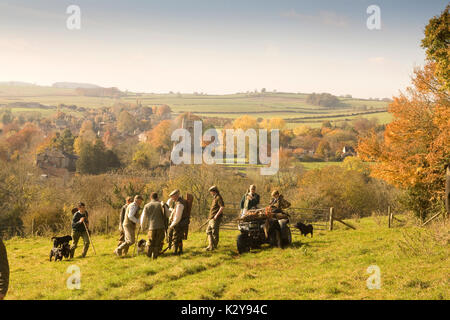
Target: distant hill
74 85
16 84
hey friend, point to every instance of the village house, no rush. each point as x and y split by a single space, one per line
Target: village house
56 159
348 152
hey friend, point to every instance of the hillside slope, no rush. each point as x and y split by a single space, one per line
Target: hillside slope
332 265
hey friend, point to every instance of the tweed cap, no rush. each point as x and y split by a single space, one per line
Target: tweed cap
214 188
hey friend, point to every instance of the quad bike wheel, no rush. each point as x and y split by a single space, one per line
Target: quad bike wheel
243 243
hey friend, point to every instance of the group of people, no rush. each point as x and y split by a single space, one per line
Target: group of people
166 221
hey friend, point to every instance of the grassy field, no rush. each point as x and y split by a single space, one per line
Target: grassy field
288 106
332 265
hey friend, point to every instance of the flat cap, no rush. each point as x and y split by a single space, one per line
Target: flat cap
174 192
213 188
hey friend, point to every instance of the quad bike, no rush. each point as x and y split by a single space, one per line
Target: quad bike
260 228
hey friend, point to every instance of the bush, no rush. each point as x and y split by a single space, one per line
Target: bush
351 192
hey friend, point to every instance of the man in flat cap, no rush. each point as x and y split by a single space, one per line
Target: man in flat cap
80 225
178 221
215 218
123 211
129 225
278 203
154 219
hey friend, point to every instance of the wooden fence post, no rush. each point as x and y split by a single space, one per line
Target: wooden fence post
389 216
107 226
331 219
32 227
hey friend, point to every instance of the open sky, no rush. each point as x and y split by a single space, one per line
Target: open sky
217 46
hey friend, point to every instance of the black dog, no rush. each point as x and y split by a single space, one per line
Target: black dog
59 241
61 248
65 250
304 229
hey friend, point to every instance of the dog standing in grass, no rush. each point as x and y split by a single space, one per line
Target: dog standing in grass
305 229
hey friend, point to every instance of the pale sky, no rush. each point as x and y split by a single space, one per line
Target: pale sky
217 46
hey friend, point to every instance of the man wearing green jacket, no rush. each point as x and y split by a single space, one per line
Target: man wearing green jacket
154 218
80 224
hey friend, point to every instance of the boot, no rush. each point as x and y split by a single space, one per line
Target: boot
210 246
118 252
85 250
178 248
72 253
215 243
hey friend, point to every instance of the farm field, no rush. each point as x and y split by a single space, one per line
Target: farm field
290 106
332 265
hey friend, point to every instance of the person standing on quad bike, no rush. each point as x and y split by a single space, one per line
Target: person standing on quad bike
250 200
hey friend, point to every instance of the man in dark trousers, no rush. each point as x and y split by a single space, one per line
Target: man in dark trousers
179 220
122 218
4 271
154 218
80 224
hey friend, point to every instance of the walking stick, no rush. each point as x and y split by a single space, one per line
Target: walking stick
89 237
204 224
136 240
169 241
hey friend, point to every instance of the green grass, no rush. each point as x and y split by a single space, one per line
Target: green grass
282 105
332 265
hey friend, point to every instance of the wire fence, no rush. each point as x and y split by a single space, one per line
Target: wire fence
318 217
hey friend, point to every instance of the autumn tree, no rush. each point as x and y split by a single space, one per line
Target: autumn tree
23 138
273 123
163 110
245 123
160 136
126 123
416 144
437 43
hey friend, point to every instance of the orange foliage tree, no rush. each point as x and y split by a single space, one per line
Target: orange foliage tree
159 136
416 144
